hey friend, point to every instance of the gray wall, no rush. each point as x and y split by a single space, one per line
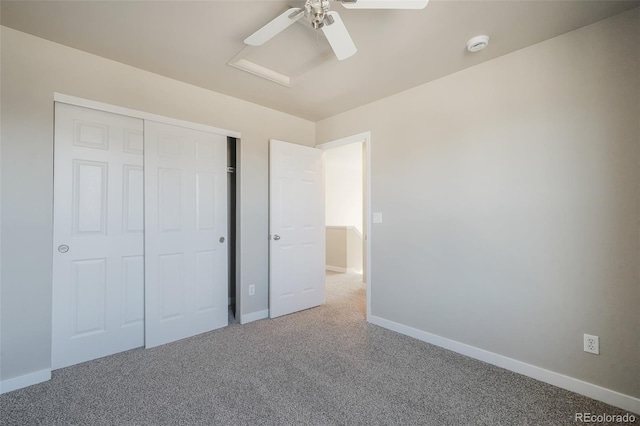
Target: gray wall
32 69
511 199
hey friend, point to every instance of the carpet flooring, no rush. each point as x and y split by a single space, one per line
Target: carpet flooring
322 366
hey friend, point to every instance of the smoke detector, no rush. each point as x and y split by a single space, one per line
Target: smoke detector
477 43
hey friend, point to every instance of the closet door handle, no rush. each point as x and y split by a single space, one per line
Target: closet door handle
276 237
221 239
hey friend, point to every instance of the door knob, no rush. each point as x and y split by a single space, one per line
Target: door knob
63 248
276 237
221 239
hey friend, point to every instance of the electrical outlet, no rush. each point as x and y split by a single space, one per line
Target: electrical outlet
252 290
592 344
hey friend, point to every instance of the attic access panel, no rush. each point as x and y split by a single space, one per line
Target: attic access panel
287 57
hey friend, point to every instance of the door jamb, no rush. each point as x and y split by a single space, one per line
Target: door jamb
365 138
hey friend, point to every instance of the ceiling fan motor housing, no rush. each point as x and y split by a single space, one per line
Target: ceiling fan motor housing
316 13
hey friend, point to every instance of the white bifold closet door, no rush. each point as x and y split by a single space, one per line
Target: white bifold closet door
186 269
98 268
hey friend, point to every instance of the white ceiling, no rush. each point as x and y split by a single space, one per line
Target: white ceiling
192 41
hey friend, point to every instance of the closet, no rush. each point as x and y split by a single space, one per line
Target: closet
140 233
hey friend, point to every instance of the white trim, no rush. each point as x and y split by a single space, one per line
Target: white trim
25 380
260 71
365 138
72 100
242 62
360 137
254 316
238 176
341 269
1 352
345 227
617 399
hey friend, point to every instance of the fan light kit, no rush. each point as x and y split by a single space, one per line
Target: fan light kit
477 43
319 16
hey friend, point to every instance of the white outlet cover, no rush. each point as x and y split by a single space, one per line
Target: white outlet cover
377 217
592 344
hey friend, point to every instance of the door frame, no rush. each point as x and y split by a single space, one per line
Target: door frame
115 109
365 138
100 106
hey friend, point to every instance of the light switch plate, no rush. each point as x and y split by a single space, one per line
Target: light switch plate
377 217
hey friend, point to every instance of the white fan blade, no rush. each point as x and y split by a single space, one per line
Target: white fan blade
387 4
339 37
274 27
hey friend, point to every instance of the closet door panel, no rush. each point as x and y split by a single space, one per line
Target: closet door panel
98 235
186 272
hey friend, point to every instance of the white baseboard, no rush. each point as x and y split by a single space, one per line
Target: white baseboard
617 399
342 270
254 316
24 381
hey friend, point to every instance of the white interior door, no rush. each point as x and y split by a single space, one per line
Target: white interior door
98 235
297 240
186 269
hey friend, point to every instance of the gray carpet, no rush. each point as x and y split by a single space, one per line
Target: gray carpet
323 366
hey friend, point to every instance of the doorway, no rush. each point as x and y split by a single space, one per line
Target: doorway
347 206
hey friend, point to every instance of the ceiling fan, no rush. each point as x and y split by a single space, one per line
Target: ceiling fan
318 14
